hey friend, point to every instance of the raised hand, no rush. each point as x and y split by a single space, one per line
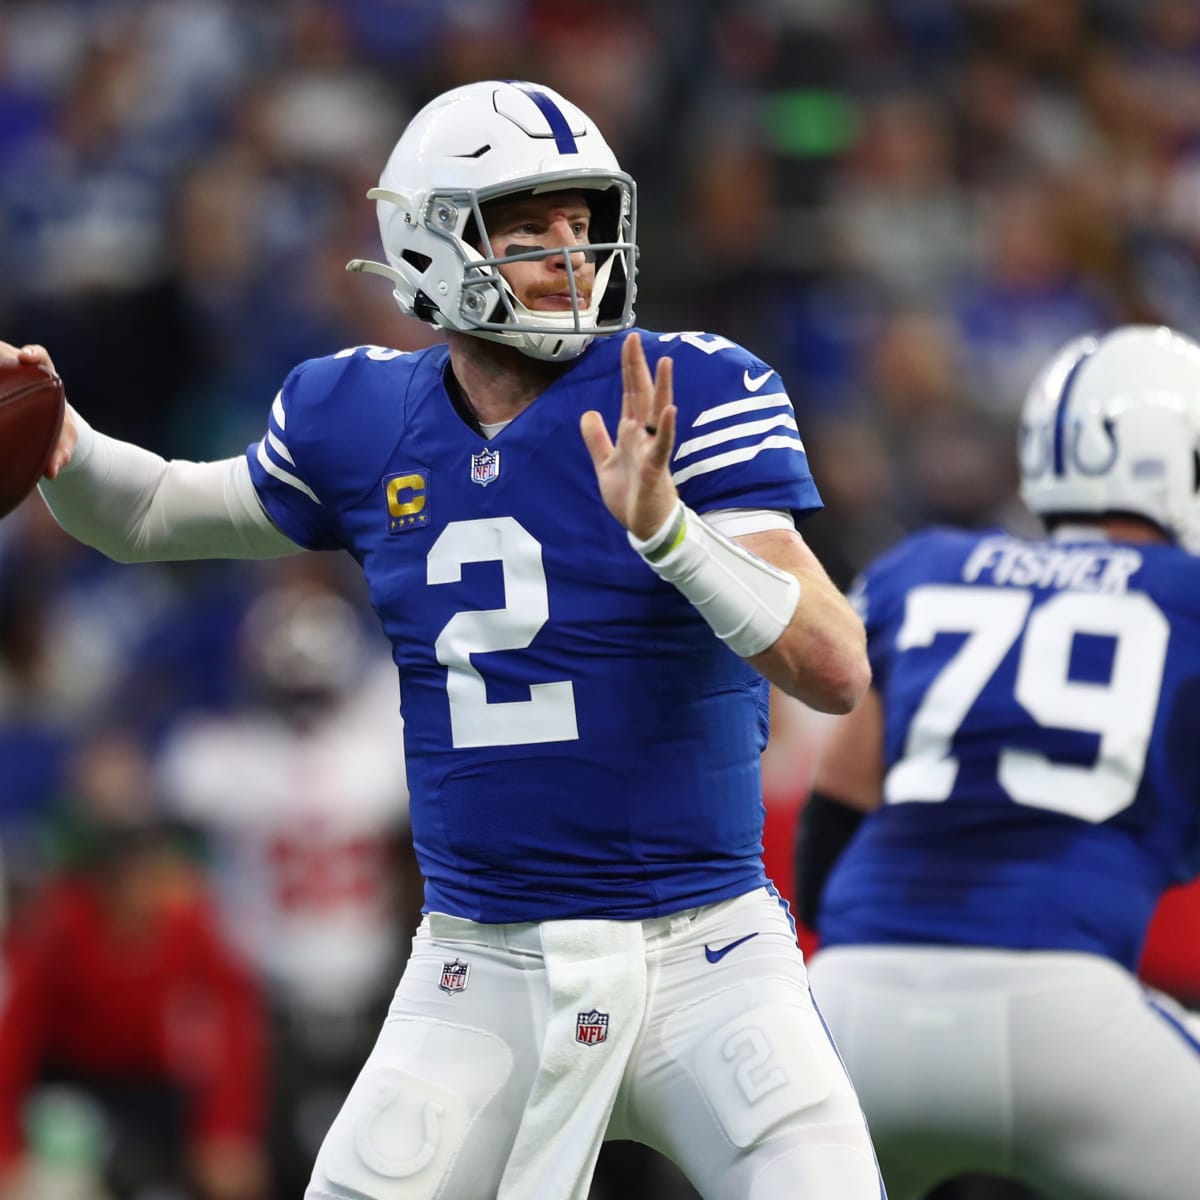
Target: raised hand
634 474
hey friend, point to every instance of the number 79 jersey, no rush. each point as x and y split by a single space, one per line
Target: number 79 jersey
1042 725
578 742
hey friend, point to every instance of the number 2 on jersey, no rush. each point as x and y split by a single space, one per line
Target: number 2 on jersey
1120 712
549 713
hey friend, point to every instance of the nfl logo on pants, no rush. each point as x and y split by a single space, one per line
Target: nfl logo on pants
454 976
591 1028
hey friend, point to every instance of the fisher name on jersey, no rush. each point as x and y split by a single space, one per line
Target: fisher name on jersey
1042 784
578 741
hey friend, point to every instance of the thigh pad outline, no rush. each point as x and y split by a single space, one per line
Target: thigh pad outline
765 1062
408 1116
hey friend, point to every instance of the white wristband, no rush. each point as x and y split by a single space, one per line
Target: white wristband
746 600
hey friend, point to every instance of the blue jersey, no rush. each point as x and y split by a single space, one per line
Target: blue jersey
578 741
1042 784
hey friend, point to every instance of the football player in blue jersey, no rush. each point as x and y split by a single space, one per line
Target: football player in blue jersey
584 698
1027 762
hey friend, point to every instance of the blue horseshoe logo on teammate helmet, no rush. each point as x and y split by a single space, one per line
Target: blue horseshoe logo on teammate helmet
1109 456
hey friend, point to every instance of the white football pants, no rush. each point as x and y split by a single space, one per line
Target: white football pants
702 1042
1058 1070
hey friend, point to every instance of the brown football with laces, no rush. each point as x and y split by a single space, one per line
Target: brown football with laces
32 404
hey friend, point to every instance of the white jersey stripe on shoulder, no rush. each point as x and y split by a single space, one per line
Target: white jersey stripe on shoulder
731 432
279 448
287 477
741 454
733 408
277 411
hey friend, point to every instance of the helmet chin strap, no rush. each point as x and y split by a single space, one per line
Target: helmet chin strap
547 345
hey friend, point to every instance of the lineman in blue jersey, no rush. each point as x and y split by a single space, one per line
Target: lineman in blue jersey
1029 753
584 697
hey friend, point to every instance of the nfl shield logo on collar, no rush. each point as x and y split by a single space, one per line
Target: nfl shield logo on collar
454 976
591 1028
485 466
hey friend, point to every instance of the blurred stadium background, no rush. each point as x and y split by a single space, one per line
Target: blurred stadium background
904 205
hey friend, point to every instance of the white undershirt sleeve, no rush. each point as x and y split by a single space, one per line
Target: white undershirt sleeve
739 522
135 506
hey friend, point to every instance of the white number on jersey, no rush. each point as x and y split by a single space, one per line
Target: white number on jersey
549 713
1121 711
708 343
374 353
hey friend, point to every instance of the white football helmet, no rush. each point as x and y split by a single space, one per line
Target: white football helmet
477 143
1112 425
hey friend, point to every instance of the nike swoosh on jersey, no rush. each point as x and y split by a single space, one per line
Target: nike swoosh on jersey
753 383
718 954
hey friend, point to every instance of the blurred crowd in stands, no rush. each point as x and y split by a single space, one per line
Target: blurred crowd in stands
903 205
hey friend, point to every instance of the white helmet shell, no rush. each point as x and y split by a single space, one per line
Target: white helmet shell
1112 425
477 143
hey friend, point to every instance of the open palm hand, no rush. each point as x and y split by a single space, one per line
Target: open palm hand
634 472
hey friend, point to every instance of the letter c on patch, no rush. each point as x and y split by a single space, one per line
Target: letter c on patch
414 487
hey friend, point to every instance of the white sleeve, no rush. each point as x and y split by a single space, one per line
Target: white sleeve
135 506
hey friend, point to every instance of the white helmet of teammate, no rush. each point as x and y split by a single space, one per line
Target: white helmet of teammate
1112 425
477 143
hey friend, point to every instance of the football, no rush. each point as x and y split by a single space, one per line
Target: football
32 403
